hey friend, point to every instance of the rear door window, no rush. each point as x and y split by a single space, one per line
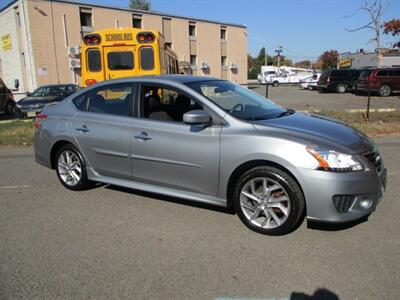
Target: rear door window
382 73
120 60
112 100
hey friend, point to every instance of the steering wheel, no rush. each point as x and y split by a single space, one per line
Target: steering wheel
236 106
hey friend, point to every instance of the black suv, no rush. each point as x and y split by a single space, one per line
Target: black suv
7 102
340 81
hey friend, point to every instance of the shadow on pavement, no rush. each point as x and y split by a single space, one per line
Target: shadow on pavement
320 294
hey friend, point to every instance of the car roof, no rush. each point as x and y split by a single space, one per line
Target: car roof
56 85
179 78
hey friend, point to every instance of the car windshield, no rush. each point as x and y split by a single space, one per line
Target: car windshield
238 101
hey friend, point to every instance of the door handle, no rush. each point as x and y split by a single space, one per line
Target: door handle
143 136
82 129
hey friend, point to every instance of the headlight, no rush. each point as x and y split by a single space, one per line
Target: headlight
330 160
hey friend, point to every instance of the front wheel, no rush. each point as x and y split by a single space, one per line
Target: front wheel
71 168
275 83
269 201
384 90
341 88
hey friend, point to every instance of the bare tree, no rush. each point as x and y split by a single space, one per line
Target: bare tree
375 12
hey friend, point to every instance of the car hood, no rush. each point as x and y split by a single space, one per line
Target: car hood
318 130
38 100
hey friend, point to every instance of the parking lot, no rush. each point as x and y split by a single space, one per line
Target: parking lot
110 243
300 99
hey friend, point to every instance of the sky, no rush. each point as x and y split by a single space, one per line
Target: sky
304 28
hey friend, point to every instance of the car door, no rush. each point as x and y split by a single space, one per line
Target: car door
396 79
168 152
102 129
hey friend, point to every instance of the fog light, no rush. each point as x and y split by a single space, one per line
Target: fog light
366 203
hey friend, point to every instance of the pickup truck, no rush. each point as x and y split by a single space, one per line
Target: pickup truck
284 79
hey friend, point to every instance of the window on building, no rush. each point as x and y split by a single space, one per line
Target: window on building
86 17
23 59
223 61
193 60
137 21
223 33
192 30
168 45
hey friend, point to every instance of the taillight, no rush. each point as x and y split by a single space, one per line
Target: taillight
145 37
39 119
90 82
92 39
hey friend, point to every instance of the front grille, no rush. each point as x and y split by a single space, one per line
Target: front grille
374 158
343 203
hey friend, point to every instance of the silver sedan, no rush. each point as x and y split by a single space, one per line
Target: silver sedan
212 141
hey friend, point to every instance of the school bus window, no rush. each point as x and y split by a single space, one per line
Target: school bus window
120 60
147 58
94 60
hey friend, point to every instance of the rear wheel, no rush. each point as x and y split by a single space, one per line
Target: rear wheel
10 108
269 201
384 90
341 88
71 168
275 83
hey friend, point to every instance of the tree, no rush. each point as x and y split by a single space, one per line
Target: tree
375 12
303 64
329 59
140 4
392 27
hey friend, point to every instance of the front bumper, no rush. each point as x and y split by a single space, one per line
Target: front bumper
320 188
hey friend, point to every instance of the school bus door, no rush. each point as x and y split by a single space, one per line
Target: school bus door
120 62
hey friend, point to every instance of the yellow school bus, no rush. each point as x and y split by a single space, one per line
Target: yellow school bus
124 52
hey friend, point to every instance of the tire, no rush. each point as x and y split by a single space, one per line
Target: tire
310 87
256 211
10 107
275 83
73 178
341 88
384 90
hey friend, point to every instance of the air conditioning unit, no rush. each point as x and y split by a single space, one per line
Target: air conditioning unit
74 63
204 65
233 66
73 51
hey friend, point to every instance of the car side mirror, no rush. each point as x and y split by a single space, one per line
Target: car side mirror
16 84
28 94
197 117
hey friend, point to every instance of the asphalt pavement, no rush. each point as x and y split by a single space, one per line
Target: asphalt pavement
300 99
113 243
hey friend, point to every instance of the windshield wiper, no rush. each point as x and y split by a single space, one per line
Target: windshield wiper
286 113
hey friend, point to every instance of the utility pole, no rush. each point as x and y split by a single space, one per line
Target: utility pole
265 57
278 51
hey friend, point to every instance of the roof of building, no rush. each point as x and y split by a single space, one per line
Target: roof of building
90 3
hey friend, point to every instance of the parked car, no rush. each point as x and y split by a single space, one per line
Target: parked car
381 81
33 104
339 81
7 102
265 77
310 83
212 141
288 78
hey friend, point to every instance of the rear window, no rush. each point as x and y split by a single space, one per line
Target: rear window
382 73
340 73
120 60
396 72
147 58
94 60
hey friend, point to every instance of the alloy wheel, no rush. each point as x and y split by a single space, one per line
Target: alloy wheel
265 203
69 168
384 91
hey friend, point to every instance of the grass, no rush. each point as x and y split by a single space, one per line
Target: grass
20 132
17 133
